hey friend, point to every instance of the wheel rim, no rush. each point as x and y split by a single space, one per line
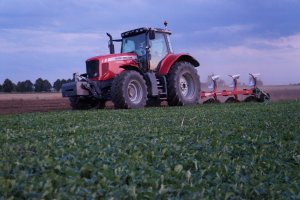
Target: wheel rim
187 86
135 91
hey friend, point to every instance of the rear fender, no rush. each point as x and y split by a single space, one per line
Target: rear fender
170 59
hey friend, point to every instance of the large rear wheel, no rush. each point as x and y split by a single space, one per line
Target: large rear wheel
183 84
129 90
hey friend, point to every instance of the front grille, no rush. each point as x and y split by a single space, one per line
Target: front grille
92 68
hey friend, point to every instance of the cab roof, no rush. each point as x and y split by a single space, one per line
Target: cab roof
143 30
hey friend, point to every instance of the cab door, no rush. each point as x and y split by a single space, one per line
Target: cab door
158 50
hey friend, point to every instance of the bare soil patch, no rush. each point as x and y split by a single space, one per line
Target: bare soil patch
15 106
43 102
281 93
30 96
14 103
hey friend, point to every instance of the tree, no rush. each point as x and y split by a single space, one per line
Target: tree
0 88
42 85
8 86
38 85
63 81
47 86
24 86
57 85
20 87
28 86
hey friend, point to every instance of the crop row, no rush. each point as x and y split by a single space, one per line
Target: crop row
227 151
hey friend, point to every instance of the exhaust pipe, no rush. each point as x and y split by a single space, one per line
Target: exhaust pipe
111 44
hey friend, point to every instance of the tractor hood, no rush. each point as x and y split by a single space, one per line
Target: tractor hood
114 57
108 66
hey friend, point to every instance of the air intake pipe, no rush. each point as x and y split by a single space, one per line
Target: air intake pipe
111 44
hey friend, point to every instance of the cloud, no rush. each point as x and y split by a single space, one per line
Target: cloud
289 42
226 36
276 59
44 41
233 29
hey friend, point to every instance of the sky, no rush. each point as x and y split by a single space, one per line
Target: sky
52 39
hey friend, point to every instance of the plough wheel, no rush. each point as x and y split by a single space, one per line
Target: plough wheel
264 97
250 99
209 101
231 100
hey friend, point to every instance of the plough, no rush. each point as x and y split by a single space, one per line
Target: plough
254 94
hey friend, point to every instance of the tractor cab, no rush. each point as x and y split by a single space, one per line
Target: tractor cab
150 45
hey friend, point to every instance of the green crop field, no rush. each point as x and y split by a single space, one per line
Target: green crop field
227 151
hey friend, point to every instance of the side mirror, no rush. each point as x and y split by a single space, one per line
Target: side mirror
151 35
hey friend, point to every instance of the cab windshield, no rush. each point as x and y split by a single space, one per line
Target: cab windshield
134 44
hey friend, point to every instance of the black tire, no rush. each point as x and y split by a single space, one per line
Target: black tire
129 90
82 103
211 101
183 84
264 97
231 100
251 99
101 104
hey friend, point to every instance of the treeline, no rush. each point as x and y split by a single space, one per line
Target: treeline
295 84
40 85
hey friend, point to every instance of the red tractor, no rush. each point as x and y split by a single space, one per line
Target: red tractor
146 72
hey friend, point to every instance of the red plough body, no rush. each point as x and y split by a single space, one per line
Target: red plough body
254 93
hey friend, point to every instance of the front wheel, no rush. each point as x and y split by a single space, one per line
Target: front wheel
183 85
129 90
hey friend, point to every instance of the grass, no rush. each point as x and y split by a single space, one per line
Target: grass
228 151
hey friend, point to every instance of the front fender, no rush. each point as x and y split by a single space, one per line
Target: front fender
170 59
